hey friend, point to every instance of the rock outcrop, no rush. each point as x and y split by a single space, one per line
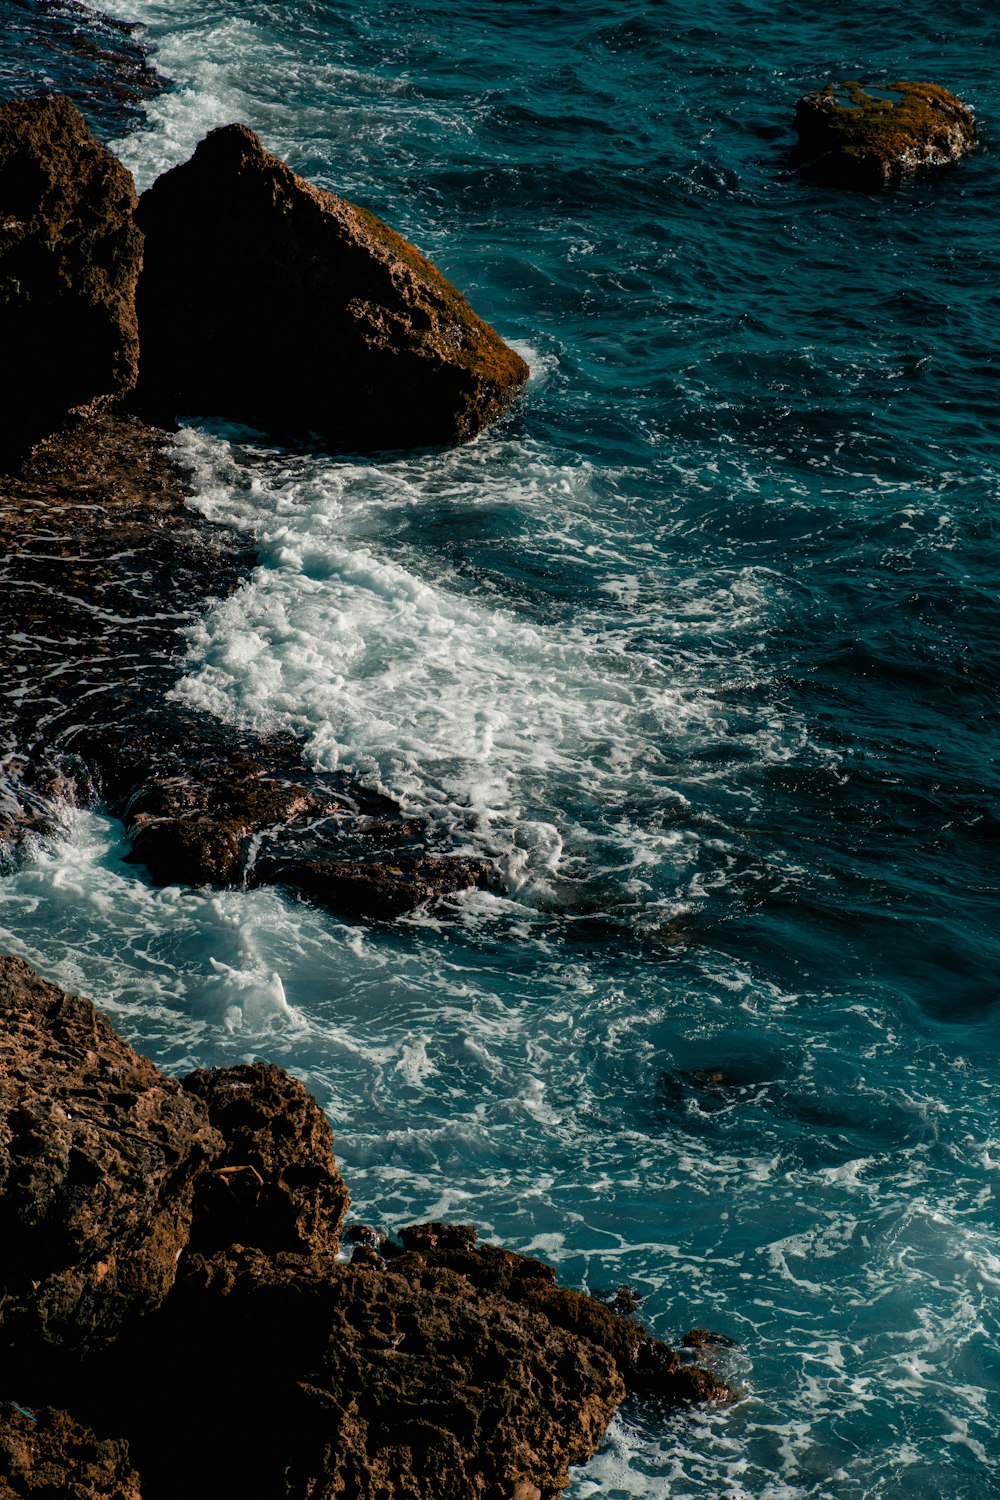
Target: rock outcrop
170 1267
275 1186
45 1455
871 140
69 261
99 1154
266 300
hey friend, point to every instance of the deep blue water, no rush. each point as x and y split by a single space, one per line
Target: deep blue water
700 645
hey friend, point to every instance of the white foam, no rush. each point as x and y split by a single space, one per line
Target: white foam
498 717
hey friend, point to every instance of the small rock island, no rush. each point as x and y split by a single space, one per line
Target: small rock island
870 140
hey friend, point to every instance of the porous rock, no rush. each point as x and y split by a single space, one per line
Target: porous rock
45 1454
69 261
268 300
276 1185
98 1156
870 140
358 1382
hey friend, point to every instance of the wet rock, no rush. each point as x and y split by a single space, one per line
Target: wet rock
264 299
440 1366
101 565
46 1454
378 889
69 261
870 140
276 1185
98 1158
103 63
359 1382
647 1366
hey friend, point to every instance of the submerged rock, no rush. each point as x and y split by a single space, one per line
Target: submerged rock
264 299
69 260
98 1159
44 1454
870 140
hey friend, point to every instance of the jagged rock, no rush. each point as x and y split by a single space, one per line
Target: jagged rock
870 140
276 1185
265 299
69 260
358 1382
436 1366
647 1366
45 1454
98 1156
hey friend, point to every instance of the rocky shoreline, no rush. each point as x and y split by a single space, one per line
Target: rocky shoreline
173 1265
173 1258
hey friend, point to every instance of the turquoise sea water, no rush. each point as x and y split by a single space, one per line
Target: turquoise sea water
700 646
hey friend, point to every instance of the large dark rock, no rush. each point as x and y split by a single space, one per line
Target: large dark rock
98 1159
69 260
435 1366
276 1185
870 140
45 1454
265 299
362 1383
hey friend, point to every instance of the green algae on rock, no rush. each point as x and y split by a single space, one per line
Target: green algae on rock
870 140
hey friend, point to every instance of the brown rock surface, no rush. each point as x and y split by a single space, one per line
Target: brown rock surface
69 260
871 139
265 299
276 1185
438 1366
359 1382
98 1156
46 1455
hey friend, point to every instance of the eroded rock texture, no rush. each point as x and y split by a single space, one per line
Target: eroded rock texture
265 299
359 1382
45 1455
276 1185
98 1159
433 1366
69 260
870 140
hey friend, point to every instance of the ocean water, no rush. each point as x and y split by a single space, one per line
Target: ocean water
699 645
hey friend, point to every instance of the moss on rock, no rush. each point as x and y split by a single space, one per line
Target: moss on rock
870 140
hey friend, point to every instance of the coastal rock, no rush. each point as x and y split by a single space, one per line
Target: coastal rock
264 299
358 1382
45 1454
101 564
870 140
434 1366
378 889
276 1185
98 1157
69 261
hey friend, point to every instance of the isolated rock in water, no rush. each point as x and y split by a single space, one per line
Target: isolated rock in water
45 1453
870 140
98 1155
69 260
276 1186
266 300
